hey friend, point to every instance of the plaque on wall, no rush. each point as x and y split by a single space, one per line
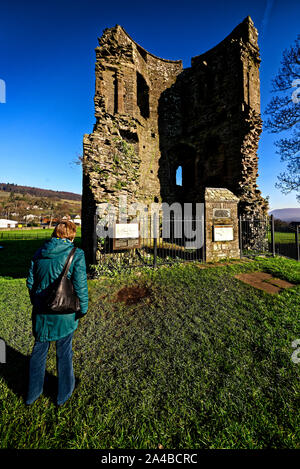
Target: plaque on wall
126 236
223 233
221 213
126 230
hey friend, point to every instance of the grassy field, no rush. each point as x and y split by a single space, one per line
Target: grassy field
33 233
180 356
281 237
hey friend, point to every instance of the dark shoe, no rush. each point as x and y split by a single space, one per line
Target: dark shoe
28 403
77 381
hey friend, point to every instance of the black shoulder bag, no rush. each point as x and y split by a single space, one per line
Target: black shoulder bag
62 297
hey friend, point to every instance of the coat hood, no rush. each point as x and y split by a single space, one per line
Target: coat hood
55 247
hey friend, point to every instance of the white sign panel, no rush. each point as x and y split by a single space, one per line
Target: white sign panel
126 230
223 233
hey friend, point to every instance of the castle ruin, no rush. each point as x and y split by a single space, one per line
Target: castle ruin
153 116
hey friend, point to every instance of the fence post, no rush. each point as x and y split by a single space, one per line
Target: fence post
272 236
95 238
154 240
240 236
297 243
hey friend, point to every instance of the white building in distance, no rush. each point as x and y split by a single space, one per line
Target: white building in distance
4 223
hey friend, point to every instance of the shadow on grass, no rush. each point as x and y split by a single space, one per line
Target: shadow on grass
15 373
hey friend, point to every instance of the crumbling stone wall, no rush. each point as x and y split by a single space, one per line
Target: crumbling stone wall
215 126
153 116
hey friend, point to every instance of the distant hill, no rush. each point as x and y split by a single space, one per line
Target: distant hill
37 192
286 214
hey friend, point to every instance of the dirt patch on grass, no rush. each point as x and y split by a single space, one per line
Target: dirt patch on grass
132 295
265 282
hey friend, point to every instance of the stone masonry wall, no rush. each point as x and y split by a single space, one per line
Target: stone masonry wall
152 117
215 123
121 155
217 203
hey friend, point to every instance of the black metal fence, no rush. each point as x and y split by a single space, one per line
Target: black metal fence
286 241
255 236
156 248
260 236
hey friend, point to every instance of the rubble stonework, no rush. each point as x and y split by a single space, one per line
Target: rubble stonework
221 200
153 116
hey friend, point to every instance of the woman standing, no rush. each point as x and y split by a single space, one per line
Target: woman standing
46 266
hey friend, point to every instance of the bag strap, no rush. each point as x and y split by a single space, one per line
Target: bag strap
68 263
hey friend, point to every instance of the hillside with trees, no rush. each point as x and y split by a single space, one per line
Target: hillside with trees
33 209
38 192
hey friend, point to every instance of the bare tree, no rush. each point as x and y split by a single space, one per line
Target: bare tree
284 112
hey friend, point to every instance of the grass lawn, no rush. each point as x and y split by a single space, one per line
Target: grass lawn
33 233
281 237
190 358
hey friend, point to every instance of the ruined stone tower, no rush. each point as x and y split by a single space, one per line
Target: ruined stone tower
153 116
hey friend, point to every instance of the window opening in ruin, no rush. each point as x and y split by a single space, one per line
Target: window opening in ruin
142 95
129 136
179 176
115 95
248 87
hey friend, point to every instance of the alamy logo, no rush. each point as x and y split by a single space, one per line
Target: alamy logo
2 91
2 351
150 217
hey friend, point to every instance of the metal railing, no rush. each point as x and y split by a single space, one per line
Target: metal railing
260 236
152 251
285 241
254 236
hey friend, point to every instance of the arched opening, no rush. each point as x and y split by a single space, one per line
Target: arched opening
183 157
142 94
179 176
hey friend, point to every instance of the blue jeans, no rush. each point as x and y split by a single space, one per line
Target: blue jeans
37 367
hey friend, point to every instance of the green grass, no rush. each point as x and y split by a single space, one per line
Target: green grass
33 233
285 238
203 362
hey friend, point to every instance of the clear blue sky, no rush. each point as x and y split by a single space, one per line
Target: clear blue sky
47 61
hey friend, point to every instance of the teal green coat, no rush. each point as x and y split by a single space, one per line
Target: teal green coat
46 265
